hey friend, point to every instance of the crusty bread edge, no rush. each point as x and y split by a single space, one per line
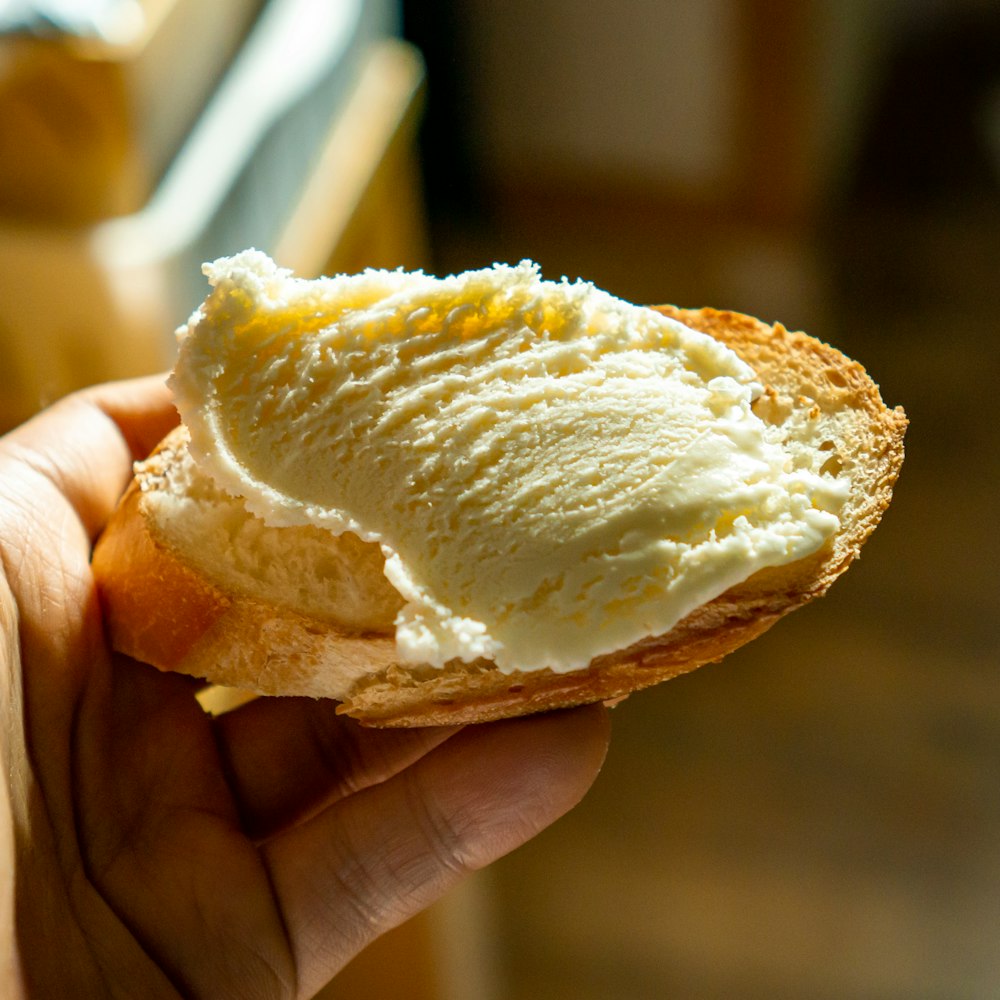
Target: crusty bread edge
162 611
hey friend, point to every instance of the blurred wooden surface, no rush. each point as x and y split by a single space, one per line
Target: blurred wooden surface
399 964
818 816
445 953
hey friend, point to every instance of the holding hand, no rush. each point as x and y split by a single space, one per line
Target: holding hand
152 850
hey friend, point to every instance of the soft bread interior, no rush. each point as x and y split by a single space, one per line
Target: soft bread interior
337 579
294 610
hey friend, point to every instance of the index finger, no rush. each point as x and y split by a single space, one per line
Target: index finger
141 408
372 860
85 444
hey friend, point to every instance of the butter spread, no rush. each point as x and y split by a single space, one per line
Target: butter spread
551 473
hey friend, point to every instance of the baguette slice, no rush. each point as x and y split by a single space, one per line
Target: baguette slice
208 608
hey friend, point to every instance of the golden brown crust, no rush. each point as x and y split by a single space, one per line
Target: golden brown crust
130 567
162 611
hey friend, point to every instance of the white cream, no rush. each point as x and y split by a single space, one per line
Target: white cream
551 473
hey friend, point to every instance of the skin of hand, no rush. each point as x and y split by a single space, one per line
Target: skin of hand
150 849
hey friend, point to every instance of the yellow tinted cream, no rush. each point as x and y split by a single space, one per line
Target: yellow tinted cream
551 473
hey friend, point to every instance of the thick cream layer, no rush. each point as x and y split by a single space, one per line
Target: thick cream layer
551 473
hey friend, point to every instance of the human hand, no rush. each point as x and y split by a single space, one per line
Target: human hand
151 849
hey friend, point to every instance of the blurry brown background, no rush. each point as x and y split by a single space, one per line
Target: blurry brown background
819 816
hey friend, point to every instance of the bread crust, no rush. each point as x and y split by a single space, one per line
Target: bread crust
160 610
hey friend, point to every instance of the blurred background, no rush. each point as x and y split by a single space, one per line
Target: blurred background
817 817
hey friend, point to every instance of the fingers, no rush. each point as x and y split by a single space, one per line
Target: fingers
142 409
376 858
289 757
161 842
84 445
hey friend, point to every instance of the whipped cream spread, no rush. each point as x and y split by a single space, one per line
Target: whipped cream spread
551 473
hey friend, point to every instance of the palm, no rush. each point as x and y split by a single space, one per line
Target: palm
250 855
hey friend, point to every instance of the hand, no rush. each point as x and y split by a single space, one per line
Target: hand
156 850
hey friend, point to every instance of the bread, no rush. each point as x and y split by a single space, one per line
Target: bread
207 607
